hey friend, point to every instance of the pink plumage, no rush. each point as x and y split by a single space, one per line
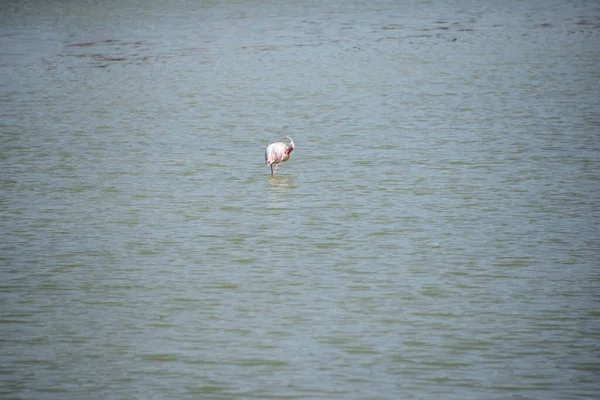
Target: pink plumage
279 152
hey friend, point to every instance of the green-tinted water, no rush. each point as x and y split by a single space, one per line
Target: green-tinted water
434 234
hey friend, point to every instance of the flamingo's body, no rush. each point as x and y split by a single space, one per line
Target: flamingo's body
279 152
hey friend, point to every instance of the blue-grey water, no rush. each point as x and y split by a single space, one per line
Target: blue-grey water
435 233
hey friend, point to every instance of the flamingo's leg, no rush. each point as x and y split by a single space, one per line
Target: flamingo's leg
272 173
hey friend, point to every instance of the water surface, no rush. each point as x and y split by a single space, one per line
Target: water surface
434 234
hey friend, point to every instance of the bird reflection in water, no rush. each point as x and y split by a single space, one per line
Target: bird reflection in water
279 189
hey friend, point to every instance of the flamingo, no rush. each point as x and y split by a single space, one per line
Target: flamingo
279 152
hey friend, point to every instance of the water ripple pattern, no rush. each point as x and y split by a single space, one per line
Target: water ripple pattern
435 233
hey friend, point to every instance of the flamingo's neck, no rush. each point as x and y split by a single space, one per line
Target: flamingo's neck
289 150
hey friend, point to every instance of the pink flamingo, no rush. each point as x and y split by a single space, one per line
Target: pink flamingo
279 152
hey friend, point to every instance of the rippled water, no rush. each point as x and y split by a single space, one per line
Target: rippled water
435 233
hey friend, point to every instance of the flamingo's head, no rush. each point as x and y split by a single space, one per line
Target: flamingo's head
289 144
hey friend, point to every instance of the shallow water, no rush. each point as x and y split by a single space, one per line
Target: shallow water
434 234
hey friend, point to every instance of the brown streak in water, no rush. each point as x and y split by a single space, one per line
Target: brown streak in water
87 44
